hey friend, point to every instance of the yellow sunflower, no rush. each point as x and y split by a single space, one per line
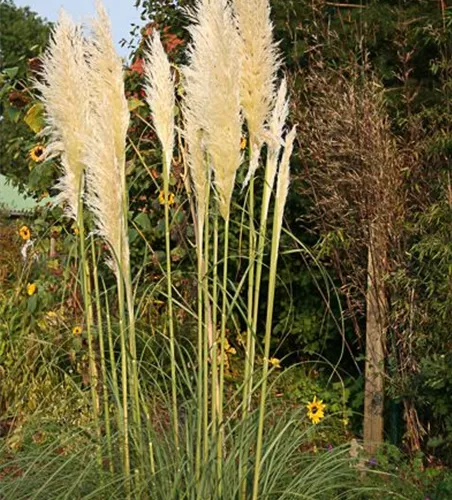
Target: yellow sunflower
37 153
275 362
316 410
77 331
31 289
243 143
25 233
162 198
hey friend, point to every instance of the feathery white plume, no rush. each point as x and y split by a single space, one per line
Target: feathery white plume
213 93
105 146
64 93
160 95
260 64
282 188
276 126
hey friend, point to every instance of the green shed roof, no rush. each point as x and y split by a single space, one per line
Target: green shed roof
13 201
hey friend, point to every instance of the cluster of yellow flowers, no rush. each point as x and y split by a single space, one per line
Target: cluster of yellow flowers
162 198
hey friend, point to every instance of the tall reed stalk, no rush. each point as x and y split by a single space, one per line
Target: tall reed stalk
65 95
280 202
107 198
161 99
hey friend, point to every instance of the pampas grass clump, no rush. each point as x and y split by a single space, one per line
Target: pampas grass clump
230 78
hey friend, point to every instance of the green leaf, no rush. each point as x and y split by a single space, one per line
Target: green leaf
11 72
35 117
134 103
13 114
142 220
133 234
32 304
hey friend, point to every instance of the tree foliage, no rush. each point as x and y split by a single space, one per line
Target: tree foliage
23 35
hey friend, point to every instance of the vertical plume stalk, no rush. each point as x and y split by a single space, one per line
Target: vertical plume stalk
107 194
64 92
199 180
213 96
260 64
282 190
161 99
275 131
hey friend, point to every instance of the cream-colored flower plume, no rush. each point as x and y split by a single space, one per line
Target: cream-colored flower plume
105 146
275 131
64 92
282 189
260 64
213 92
160 95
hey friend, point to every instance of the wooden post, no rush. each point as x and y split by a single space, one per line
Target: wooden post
376 322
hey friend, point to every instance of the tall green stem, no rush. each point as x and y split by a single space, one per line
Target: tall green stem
199 405
100 331
111 351
268 329
85 276
266 195
224 303
124 384
170 303
207 325
215 391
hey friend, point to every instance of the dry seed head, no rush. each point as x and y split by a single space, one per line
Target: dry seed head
282 188
105 146
160 95
64 93
260 64
213 92
276 126
279 116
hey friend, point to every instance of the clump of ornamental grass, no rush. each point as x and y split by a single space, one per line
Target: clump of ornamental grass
216 448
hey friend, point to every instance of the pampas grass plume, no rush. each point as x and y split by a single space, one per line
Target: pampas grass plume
64 91
105 147
160 95
260 64
275 131
213 92
282 188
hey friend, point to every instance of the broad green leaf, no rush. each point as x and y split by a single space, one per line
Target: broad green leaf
142 220
11 72
135 103
35 117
